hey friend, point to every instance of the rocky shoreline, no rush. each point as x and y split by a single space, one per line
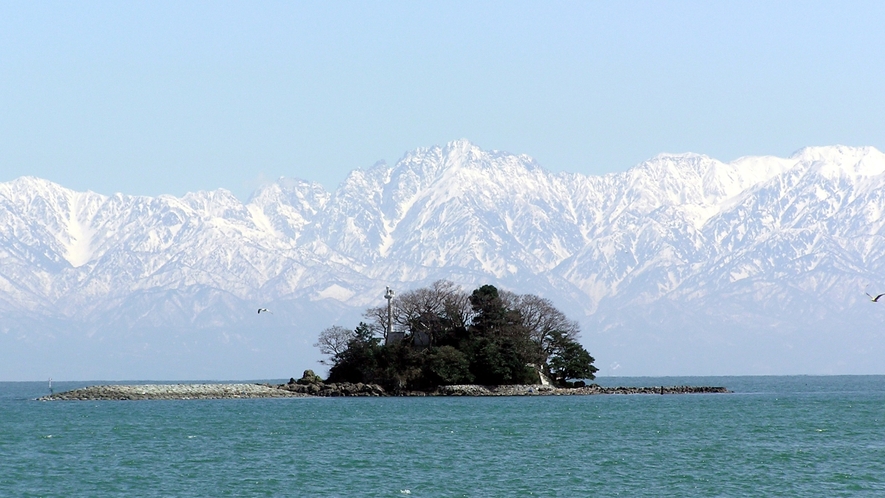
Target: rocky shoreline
319 389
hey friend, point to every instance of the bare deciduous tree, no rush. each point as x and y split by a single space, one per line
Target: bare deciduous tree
377 319
542 319
333 341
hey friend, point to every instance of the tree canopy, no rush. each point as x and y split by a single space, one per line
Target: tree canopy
442 335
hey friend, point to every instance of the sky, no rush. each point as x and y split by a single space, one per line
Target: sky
150 98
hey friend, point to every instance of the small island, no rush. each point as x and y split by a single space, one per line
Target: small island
434 341
440 335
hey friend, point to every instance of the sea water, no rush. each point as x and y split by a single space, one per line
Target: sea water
773 436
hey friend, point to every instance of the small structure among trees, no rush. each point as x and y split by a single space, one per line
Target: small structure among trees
441 335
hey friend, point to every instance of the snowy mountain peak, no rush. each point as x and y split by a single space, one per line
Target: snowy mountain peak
834 153
850 163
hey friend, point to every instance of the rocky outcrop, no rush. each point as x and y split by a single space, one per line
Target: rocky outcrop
546 390
333 389
476 390
597 389
307 378
359 389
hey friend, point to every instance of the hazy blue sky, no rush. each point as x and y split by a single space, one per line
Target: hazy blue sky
169 97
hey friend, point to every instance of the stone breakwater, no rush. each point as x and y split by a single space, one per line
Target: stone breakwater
172 391
292 390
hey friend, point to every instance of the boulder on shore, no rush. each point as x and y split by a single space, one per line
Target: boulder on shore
309 377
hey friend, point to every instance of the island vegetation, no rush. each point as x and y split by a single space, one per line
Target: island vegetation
441 335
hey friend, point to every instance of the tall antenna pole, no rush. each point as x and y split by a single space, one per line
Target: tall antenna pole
389 296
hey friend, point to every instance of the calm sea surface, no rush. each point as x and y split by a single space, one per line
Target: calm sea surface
774 436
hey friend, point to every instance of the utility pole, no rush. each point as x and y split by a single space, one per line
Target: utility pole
389 296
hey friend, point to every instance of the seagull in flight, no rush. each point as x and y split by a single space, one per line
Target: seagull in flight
265 310
874 299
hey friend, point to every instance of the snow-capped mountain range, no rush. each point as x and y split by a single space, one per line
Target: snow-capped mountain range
681 265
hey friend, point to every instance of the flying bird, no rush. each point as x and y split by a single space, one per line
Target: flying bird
874 299
265 310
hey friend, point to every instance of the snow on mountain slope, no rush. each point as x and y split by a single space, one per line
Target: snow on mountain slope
679 255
